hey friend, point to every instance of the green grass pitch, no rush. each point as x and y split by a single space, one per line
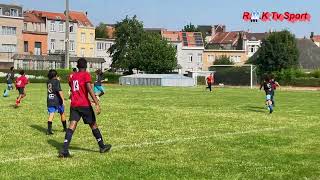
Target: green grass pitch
168 133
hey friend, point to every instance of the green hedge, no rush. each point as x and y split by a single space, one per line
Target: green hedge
201 80
64 74
305 82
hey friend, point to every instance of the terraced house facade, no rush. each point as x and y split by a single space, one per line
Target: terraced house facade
11 24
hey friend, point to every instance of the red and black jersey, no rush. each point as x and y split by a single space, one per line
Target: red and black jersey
79 91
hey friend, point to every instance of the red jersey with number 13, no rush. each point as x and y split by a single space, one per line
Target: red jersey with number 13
79 92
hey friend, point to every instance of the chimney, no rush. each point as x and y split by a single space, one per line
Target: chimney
312 34
86 13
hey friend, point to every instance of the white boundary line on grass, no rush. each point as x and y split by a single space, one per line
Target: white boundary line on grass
151 143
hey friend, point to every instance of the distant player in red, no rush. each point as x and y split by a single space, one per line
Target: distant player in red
80 84
210 81
21 83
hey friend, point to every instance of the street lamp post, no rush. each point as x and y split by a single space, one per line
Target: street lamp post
67 41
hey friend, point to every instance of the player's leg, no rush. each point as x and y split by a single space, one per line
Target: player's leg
101 91
50 119
74 118
90 118
63 117
269 103
272 99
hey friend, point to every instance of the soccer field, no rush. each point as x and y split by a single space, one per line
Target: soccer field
168 133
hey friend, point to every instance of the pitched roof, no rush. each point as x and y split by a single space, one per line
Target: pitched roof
255 36
50 15
191 39
31 17
81 18
172 36
309 54
225 37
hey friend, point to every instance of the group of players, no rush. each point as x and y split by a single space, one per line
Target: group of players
80 106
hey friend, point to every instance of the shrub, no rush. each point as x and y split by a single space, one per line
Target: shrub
201 80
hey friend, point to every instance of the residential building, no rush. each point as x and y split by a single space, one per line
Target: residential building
189 46
209 31
315 39
232 40
11 24
238 57
101 51
52 61
85 42
35 36
252 42
56 23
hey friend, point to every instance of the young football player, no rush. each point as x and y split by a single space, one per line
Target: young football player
210 81
267 87
55 100
10 80
274 84
74 70
80 84
98 88
21 83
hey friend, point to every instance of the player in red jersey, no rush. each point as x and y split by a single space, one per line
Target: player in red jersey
80 84
21 83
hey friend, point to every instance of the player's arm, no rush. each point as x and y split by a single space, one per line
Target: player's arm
277 84
95 100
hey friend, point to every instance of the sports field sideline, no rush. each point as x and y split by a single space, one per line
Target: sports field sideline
168 133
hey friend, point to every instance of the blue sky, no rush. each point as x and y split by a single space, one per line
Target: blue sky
174 14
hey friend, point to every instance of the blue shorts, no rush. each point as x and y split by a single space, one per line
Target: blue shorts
98 89
53 109
268 97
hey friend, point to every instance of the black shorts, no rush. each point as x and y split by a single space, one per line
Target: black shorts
21 91
86 113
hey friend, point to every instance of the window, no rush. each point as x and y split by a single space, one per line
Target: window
91 38
1 11
82 52
252 49
6 30
26 46
62 44
71 48
37 48
52 26
71 28
199 58
14 12
52 44
100 46
211 59
9 47
190 58
61 27
83 37
25 26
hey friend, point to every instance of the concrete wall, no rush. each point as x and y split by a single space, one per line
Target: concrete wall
11 39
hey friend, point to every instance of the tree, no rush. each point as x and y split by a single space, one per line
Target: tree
277 52
190 28
136 49
156 55
223 60
128 36
101 31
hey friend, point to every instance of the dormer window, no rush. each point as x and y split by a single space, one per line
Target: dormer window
14 12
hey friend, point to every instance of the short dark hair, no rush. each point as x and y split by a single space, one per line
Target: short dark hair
82 63
74 69
11 69
21 72
52 74
99 71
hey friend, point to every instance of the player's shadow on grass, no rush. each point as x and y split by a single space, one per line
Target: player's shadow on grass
39 128
59 145
256 109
